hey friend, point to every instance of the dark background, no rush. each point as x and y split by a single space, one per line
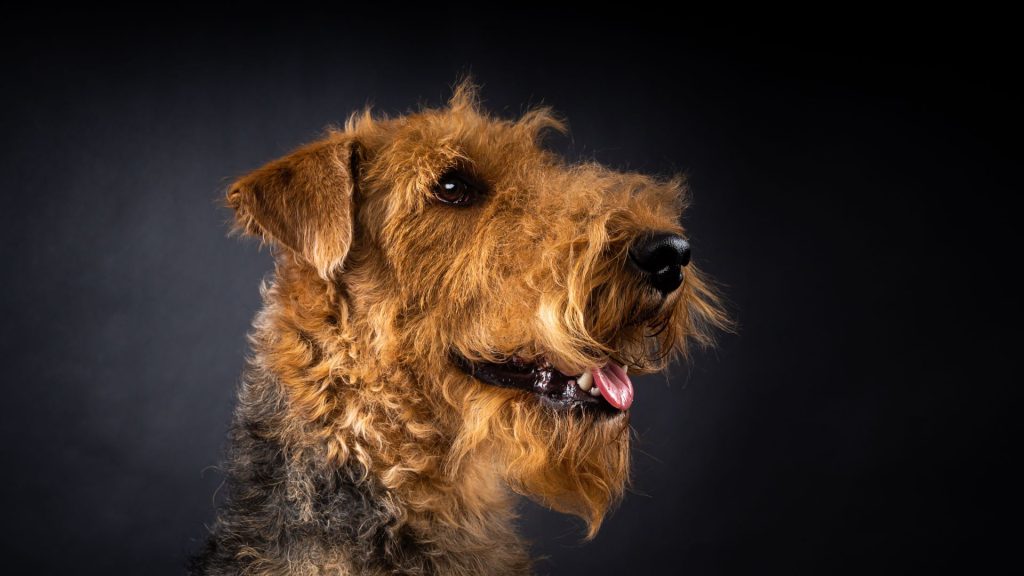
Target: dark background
854 186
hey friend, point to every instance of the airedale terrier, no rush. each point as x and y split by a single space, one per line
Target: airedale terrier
450 323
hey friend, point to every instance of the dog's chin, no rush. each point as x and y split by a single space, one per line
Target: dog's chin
557 443
576 465
602 391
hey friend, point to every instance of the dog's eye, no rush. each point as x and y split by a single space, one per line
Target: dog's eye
452 188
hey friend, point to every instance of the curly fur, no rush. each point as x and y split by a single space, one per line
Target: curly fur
357 447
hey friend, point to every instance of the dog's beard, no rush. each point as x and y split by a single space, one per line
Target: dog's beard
571 461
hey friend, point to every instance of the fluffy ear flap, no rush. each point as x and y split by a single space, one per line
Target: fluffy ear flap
302 202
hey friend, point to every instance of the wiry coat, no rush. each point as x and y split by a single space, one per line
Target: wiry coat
357 447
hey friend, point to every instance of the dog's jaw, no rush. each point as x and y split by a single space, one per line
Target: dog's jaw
604 390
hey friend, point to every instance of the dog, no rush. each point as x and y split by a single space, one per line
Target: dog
453 321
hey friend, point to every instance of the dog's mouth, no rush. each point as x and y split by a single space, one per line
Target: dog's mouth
606 388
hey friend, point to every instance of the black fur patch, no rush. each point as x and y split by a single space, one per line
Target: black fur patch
279 510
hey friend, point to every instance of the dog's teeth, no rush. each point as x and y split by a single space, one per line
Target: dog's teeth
585 381
595 392
625 368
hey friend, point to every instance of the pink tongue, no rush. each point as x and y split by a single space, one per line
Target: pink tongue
614 385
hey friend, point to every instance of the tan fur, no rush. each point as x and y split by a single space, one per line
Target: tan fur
376 283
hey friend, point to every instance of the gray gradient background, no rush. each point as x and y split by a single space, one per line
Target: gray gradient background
856 422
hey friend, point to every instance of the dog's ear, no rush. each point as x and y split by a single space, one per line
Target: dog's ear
303 202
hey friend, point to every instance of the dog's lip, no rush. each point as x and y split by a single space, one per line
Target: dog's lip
539 377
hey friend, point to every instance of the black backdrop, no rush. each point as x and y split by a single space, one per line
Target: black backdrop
839 175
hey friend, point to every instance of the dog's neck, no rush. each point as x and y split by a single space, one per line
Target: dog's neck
371 451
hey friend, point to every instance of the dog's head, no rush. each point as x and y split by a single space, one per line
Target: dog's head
512 291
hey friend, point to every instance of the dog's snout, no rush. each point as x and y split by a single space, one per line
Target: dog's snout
661 256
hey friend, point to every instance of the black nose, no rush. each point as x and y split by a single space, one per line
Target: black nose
661 257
